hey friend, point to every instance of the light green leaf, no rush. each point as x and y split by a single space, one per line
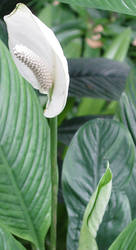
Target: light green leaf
73 48
25 183
127 239
94 212
121 6
90 106
119 47
8 242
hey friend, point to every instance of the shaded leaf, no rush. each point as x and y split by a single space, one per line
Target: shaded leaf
116 218
69 127
127 105
130 190
3 32
98 78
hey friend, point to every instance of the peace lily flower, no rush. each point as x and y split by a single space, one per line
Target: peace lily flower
38 57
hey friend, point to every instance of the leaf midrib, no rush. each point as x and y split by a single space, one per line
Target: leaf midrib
38 243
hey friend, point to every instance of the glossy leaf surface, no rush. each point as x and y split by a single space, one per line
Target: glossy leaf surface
25 187
121 6
116 218
95 143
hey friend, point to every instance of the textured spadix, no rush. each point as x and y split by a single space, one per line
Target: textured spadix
38 57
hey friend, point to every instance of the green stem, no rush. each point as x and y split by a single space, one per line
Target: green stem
35 248
54 179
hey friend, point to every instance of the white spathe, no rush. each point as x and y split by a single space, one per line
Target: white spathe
27 30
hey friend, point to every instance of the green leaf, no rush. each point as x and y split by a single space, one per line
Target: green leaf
127 105
89 106
130 190
125 6
119 47
68 108
46 15
127 239
73 49
94 212
116 218
127 114
95 143
69 127
3 32
97 78
8 242
25 183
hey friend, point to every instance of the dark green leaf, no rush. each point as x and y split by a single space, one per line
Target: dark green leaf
127 105
3 32
131 192
122 6
69 127
25 184
116 218
127 114
95 142
98 78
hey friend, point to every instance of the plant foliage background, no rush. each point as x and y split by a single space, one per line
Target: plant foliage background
97 124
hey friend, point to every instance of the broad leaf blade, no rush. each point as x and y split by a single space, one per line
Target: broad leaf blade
97 78
116 218
125 6
8 242
127 239
127 114
127 105
69 127
130 191
24 156
94 212
95 142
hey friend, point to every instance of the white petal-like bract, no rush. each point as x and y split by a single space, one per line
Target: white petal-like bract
25 29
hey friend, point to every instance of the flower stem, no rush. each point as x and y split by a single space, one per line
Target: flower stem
38 248
54 180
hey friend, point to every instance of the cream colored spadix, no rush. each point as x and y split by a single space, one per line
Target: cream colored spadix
38 57
37 65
